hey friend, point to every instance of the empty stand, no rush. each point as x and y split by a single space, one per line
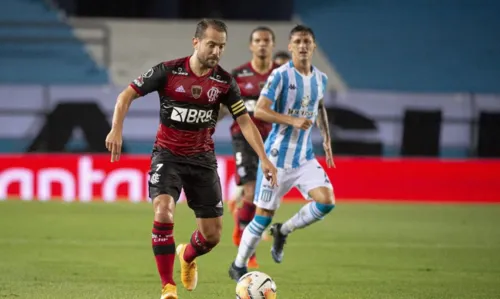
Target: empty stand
38 47
423 46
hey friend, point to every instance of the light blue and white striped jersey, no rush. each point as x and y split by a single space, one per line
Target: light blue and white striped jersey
296 95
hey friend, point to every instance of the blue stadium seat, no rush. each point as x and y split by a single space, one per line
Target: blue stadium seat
440 46
47 62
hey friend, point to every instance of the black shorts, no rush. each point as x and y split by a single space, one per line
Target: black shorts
246 160
201 184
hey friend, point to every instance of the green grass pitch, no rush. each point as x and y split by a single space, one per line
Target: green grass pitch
56 250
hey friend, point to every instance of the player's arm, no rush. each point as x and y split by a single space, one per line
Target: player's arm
322 122
268 97
239 112
148 82
223 110
265 112
324 128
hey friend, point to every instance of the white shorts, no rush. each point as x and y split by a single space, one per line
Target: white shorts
306 177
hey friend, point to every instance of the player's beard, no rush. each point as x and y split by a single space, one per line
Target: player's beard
208 63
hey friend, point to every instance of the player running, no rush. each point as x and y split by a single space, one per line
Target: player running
191 90
280 58
250 77
292 100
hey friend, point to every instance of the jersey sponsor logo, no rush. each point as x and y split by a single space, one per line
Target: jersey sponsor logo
191 116
249 85
245 73
148 73
213 94
196 91
217 78
300 112
139 82
180 72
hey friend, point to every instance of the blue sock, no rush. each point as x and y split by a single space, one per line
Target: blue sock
308 214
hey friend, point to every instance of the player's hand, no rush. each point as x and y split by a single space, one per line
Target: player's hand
114 144
302 123
327 146
270 172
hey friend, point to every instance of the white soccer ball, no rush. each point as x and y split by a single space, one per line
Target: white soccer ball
256 285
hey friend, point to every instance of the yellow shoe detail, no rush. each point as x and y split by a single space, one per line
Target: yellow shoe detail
169 292
189 271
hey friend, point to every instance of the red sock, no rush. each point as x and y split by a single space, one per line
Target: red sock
245 214
197 247
164 250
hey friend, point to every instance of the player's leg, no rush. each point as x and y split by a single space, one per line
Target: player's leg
233 205
267 200
247 163
314 184
246 166
234 199
164 189
204 197
246 211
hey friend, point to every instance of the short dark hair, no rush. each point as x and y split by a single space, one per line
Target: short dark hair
282 54
302 29
263 28
202 26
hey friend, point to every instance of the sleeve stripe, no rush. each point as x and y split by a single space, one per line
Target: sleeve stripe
236 111
235 105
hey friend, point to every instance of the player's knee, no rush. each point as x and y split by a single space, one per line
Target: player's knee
249 192
248 197
264 212
323 195
164 206
213 237
211 229
325 200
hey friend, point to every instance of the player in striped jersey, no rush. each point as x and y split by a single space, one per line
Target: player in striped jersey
292 100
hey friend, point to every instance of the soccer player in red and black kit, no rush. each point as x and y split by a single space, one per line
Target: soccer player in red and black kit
191 90
251 77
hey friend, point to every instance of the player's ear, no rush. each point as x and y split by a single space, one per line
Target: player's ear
196 41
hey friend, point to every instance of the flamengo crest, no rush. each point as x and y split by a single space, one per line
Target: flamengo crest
213 94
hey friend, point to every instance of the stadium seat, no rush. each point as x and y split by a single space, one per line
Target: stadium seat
404 45
47 62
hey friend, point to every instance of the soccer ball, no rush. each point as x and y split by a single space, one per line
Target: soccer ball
256 285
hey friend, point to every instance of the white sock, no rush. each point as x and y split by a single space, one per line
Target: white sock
250 239
307 215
